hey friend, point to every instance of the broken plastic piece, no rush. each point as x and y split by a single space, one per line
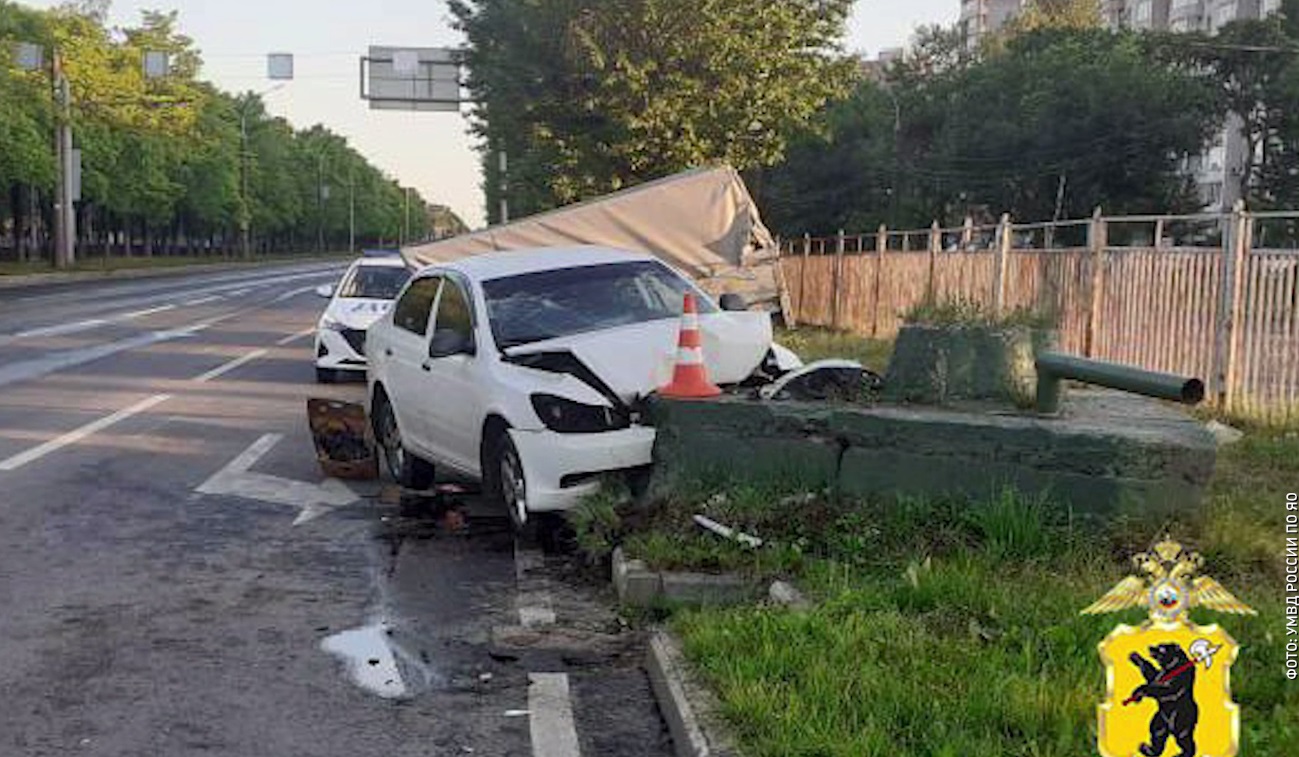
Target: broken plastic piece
726 532
834 379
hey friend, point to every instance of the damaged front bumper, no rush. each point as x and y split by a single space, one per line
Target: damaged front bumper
562 468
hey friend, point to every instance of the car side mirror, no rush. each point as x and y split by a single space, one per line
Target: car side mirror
733 303
325 290
448 342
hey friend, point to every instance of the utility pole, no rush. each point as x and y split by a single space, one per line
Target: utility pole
320 200
405 222
351 208
245 212
65 219
505 186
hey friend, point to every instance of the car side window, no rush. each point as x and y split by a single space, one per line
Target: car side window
453 311
413 309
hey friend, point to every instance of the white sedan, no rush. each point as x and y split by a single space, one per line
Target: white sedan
365 293
526 369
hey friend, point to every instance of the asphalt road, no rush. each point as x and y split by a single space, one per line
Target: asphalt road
176 580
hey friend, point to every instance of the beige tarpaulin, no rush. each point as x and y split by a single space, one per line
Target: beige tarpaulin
703 222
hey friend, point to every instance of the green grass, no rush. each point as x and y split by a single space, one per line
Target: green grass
97 264
963 312
816 344
952 628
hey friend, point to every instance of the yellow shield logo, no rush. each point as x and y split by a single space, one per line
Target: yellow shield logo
1168 682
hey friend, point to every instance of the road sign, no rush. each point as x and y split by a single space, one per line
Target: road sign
29 56
412 78
156 64
279 66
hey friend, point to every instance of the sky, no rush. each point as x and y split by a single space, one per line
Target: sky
430 151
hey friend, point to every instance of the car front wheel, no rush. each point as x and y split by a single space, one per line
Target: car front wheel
507 486
404 468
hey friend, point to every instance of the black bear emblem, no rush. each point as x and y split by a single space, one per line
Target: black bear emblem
1172 685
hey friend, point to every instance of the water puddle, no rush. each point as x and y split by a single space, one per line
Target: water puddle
376 662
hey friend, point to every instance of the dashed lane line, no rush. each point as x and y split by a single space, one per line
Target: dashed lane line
147 312
291 338
76 435
532 598
550 721
225 368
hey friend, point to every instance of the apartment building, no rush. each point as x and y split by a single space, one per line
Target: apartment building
1218 170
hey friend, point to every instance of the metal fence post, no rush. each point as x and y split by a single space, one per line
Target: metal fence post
1236 245
1097 241
999 266
838 279
967 234
802 276
881 247
935 244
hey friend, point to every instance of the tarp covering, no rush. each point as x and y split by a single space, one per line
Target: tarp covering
703 222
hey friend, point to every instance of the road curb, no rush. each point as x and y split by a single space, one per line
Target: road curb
20 281
638 586
689 709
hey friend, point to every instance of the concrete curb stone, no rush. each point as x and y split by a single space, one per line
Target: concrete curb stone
638 586
690 710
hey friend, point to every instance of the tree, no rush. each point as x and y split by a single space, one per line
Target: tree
1054 123
589 96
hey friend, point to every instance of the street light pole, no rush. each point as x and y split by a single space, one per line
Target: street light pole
405 222
65 219
351 208
320 201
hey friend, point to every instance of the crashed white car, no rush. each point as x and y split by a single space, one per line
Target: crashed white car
365 293
525 369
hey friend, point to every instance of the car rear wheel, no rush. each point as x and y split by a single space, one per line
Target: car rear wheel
404 468
506 484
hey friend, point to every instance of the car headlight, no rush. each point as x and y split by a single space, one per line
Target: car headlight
565 416
331 324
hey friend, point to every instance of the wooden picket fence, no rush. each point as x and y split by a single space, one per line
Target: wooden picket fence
1214 296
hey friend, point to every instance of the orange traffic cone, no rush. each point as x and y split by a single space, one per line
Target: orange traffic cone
690 377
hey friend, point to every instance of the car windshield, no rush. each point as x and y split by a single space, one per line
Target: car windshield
544 305
373 282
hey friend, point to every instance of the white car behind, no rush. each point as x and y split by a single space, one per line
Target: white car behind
525 369
363 295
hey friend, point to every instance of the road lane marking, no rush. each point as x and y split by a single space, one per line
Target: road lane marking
60 330
551 723
57 361
221 370
76 435
150 311
202 301
291 338
532 599
294 293
239 292
311 500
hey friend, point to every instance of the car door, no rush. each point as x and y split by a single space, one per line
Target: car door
404 354
454 379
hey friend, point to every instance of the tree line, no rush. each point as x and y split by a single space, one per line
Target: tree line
173 165
1050 118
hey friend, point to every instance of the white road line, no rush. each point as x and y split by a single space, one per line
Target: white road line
72 437
202 301
61 330
230 366
553 732
294 293
239 292
32 369
312 500
291 338
150 311
533 596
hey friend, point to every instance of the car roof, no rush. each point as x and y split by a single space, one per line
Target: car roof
496 265
383 262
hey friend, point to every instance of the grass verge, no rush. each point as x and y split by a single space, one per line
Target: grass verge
816 344
952 628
